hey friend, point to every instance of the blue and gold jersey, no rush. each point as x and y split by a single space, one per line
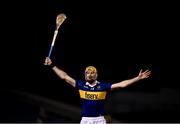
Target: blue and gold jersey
92 97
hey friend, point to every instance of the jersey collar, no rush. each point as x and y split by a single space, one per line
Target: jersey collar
90 85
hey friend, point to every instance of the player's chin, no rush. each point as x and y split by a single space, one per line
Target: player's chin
90 80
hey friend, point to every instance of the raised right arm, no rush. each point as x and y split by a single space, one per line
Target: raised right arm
60 73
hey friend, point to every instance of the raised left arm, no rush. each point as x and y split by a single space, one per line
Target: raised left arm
125 83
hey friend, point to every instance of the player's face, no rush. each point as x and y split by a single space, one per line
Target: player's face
90 75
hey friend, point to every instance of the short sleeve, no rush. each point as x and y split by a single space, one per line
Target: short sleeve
79 84
107 85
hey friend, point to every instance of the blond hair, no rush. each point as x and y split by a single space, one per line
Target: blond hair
92 68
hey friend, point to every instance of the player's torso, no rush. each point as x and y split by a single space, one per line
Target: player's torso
92 98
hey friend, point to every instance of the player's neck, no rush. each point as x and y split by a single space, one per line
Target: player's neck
92 83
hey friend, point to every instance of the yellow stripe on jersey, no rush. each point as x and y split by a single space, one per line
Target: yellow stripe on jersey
92 95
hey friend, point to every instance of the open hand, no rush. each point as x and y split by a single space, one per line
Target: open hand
145 74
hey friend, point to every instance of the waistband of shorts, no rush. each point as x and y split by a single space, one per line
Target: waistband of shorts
90 118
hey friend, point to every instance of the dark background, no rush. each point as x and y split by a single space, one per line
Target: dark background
119 38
